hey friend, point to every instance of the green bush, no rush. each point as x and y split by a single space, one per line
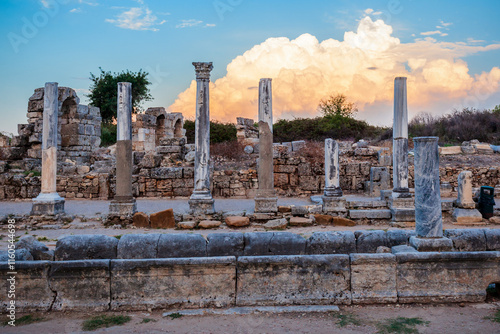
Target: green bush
219 132
108 134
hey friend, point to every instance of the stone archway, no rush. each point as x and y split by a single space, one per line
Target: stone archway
69 130
160 128
178 129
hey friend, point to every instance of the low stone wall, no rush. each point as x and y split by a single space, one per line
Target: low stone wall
249 280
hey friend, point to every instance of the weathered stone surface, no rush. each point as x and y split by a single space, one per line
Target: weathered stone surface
370 214
431 244
37 249
273 243
300 221
369 241
80 285
140 219
446 277
225 244
138 246
209 224
379 180
31 284
331 243
373 278
86 247
464 189
163 219
464 216
332 173
237 221
268 280
299 210
383 249
398 237
492 239
188 225
166 283
276 224
467 240
341 221
403 249
182 245
450 150
323 219
494 220
19 255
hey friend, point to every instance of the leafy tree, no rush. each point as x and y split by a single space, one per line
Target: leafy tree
104 90
337 106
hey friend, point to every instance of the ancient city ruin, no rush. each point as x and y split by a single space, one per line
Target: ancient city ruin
411 259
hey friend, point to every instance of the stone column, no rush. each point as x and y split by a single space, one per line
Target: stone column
428 216
465 211
333 201
124 203
48 202
201 201
266 200
400 141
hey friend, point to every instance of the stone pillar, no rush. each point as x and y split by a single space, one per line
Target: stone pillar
428 216
401 201
266 200
465 208
201 201
124 203
333 201
48 202
400 141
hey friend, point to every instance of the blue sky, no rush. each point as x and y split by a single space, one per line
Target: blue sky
443 47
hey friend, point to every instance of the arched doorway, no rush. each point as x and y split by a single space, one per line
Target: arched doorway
178 129
160 129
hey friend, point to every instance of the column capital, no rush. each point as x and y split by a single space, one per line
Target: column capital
203 70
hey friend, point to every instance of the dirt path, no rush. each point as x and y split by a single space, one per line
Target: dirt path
441 319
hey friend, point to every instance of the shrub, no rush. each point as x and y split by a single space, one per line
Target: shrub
227 150
219 132
108 134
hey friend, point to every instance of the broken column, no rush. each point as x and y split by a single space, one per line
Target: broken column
201 201
48 202
401 203
124 203
266 199
333 201
465 208
428 216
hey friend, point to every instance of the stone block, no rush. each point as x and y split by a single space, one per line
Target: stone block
86 247
297 145
269 280
225 244
187 225
276 224
166 173
467 240
299 210
323 219
492 239
373 278
19 255
450 150
141 219
163 219
370 214
331 243
31 285
334 204
168 149
369 241
464 216
431 244
300 221
403 249
139 285
237 221
273 243
341 221
399 237
403 214
138 246
182 245
446 277
80 285
209 224
37 249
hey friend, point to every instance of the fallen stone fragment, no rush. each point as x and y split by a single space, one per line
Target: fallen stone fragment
323 219
140 219
163 219
209 224
187 225
276 224
340 221
300 221
237 221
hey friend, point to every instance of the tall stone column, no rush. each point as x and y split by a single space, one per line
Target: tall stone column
428 216
201 201
401 202
48 202
124 203
266 199
333 201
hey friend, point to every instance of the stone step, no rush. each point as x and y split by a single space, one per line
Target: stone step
370 214
371 203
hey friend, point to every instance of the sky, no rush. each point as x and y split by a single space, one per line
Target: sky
448 50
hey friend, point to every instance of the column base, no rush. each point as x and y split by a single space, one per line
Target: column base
122 207
431 244
333 192
402 209
465 216
266 204
334 204
201 206
401 193
47 204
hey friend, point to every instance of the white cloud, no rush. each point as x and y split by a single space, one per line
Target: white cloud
363 66
377 13
189 23
136 19
474 41
85 2
368 11
428 33
75 10
444 24
210 25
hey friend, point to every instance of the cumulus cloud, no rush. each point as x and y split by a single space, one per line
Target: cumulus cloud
136 18
362 66
193 23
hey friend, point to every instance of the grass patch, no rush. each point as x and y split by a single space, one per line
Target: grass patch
495 317
25 320
347 319
102 321
400 325
43 239
33 172
118 236
146 320
175 315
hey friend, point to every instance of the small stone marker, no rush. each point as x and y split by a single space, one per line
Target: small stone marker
163 219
